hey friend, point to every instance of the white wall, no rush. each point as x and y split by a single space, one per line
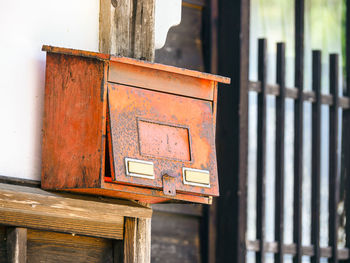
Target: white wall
24 27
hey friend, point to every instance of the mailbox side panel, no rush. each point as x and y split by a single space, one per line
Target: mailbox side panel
74 122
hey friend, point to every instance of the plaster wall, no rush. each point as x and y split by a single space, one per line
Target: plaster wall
25 26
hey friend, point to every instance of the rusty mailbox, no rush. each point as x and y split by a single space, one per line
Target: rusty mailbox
126 128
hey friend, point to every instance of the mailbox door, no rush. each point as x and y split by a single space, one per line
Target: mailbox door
163 141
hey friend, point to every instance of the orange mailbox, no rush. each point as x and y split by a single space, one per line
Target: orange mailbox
126 128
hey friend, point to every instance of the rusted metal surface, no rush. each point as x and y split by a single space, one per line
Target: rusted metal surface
140 63
91 136
72 128
180 116
160 80
169 185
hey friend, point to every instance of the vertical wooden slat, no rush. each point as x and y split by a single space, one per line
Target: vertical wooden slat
298 128
346 129
261 152
232 130
137 240
280 127
130 230
316 155
334 178
143 240
16 245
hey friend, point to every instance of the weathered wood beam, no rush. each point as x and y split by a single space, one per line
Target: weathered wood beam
127 28
137 240
16 245
32 207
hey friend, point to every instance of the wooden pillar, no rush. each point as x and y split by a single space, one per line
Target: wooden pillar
127 28
232 130
137 240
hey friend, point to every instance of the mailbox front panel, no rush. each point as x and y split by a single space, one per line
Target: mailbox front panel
163 141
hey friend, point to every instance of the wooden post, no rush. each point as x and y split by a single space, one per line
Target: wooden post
232 130
17 245
127 28
137 240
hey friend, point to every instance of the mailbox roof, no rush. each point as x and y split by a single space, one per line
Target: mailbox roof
136 62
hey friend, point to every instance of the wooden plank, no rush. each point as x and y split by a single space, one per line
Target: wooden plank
105 26
316 155
232 130
279 164
16 245
33 207
130 240
14 196
143 240
298 127
52 247
143 25
334 176
261 151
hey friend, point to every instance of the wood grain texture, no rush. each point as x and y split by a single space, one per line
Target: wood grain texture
130 240
137 240
36 208
51 247
143 240
127 28
16 244
105 26
143 40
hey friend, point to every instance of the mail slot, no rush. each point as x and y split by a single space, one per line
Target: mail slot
126 128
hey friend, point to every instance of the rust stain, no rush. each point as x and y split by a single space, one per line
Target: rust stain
169 122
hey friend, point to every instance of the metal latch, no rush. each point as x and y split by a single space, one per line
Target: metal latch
169 185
